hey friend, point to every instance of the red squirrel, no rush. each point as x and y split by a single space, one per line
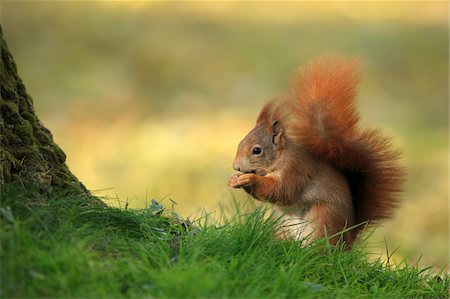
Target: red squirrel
308 157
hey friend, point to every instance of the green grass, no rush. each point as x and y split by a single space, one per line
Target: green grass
60 247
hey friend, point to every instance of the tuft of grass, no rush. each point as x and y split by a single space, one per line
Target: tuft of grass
61 247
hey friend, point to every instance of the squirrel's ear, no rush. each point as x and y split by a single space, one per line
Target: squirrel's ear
277 133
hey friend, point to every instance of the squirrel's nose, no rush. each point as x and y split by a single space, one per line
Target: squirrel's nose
236 165
240 164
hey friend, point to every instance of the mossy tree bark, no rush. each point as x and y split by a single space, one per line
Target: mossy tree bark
28 154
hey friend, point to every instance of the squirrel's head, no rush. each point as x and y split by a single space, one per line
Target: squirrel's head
258 151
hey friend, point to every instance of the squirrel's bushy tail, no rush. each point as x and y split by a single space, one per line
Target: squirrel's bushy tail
326 122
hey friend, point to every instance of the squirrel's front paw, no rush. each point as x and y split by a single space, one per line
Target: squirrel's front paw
241 180
232 181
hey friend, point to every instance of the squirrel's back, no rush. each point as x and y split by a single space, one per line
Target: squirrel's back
326 122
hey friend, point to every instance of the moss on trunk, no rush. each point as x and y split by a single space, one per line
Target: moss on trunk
28 154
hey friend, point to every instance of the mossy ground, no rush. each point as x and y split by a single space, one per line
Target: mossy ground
62 247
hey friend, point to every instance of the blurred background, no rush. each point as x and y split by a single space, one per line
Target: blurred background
150 99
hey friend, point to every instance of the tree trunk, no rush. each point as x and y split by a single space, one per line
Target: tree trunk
28 154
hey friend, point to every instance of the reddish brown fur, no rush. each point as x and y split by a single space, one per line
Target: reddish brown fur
329 223
323 95
321 164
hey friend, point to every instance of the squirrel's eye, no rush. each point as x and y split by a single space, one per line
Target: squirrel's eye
256 150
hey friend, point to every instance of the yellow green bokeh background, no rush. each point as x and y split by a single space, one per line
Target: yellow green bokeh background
150 99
